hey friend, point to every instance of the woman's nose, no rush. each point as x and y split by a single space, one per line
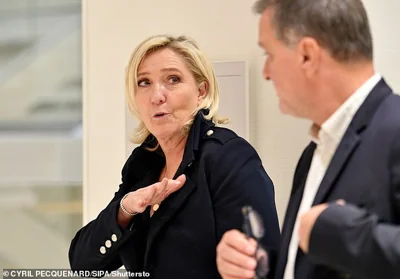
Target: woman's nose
158 95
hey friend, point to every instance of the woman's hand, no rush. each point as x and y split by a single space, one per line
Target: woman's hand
137 201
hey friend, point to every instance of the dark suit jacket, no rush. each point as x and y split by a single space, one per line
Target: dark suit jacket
375 253
365 171
223 173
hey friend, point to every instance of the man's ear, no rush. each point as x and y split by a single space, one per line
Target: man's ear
203 90
310 55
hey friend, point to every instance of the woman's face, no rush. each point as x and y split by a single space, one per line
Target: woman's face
167 93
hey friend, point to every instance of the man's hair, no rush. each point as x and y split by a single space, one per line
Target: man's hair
340 26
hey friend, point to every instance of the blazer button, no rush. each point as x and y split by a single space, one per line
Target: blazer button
114 238
108 243
210 132
103 250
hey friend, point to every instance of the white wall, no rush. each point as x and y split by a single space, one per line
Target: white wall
386 35
225 30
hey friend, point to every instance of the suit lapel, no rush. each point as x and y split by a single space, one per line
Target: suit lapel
352 138
341 156
296 195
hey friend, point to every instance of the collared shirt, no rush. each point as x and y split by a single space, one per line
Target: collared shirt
329 136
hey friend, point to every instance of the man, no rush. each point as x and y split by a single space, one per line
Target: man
320 59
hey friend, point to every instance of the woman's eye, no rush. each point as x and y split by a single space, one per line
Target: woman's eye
143 83
174 80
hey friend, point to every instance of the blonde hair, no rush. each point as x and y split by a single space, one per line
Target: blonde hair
196 62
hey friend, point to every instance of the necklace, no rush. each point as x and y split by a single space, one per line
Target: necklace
157 205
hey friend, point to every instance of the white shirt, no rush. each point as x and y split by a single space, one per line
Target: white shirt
329 137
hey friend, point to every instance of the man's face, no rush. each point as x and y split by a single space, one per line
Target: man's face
284 67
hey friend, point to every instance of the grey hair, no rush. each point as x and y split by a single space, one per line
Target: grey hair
340 26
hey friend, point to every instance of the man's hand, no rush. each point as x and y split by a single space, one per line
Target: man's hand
235 256
307 222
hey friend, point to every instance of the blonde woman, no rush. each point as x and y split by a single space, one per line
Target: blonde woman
186 183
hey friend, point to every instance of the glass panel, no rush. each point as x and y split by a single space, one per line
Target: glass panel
40 131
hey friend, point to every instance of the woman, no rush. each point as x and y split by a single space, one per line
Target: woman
186 183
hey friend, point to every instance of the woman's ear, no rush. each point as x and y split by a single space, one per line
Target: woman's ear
203 90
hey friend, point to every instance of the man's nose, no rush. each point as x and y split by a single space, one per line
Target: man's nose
266 73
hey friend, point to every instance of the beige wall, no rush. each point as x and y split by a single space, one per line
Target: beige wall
225 30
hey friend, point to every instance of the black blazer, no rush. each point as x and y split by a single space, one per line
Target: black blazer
365 171
375 253
223 173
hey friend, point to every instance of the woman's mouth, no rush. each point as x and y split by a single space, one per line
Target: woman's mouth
160 115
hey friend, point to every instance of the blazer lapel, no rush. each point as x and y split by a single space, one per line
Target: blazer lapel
342 154
352 138
296 195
